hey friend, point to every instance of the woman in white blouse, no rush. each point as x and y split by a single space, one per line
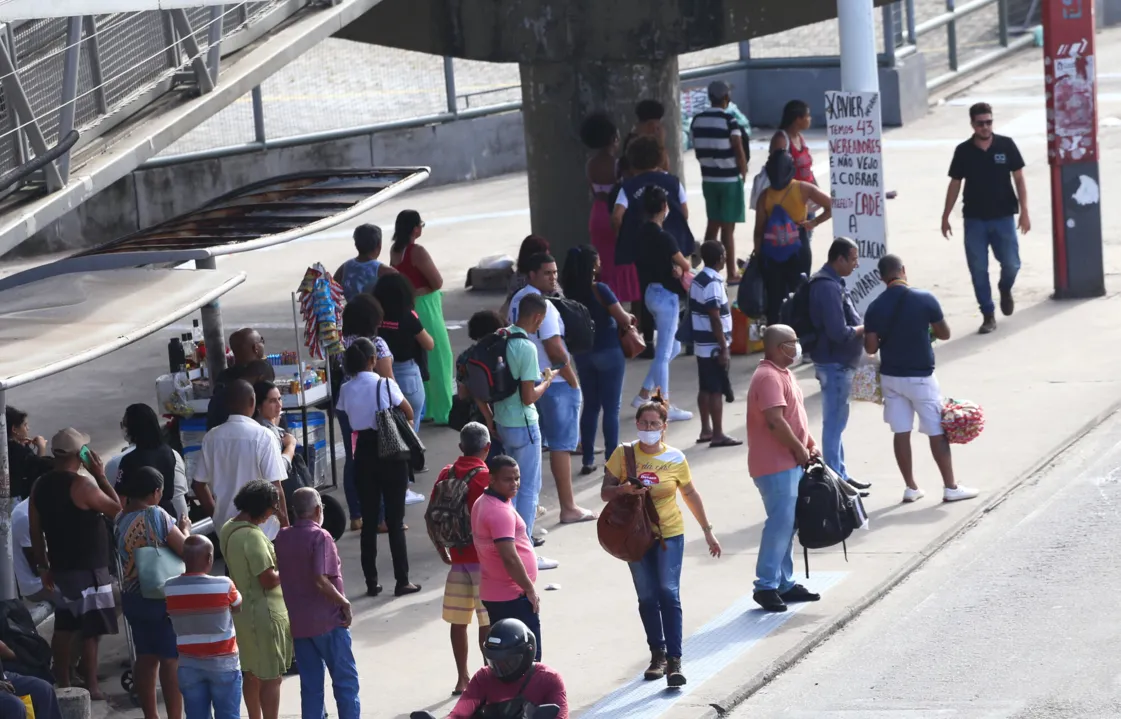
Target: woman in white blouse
366 394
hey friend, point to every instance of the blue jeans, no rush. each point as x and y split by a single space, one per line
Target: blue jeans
1000 234
657 581
775 567
408 379
521 610
601 379
664 306
353 507
836 387
202 689
43 699
331 650
524 445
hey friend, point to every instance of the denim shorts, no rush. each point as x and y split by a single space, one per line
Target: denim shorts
559 410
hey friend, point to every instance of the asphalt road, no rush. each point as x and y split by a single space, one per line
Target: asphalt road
1016 619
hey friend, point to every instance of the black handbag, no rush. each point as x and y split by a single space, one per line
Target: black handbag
391 442
415 448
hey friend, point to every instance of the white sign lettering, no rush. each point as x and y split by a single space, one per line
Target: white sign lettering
856 180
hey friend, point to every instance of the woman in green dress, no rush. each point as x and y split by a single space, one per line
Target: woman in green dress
416 264
264 637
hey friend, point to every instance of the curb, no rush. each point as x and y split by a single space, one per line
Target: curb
722 708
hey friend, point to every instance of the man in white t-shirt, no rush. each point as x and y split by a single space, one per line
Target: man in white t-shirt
234 454
29 583
559 407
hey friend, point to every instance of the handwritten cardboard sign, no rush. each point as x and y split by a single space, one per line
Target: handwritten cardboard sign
856 181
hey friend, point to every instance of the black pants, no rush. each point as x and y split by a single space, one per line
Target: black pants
782 278
378 480
519 609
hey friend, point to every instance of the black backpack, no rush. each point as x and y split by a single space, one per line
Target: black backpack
17 630
795 312
826 514
488 373
579 327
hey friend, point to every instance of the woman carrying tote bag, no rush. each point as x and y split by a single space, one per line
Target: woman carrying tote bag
149 544
662 471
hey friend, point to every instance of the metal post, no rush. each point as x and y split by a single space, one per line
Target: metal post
68 106
17 100
187 40
258 115
19 138
170 43
745 49
889 34
214 41
911 36
96 77
7 565
1002 13
859 70
449 84
213 333
952 38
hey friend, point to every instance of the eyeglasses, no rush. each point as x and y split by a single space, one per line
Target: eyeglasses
651 425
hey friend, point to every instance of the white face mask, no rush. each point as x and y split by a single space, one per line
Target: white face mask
650 436
797 358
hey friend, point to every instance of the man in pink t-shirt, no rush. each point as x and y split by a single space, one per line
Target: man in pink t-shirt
779 445
507 562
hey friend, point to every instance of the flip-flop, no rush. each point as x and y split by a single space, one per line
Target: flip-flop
726 442
704 440
587 516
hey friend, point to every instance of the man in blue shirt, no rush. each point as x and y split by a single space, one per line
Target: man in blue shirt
898 325
837 352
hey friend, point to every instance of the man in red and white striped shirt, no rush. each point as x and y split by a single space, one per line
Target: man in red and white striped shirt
201 607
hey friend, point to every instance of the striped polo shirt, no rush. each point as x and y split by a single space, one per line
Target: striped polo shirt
713 131
706 293
200 608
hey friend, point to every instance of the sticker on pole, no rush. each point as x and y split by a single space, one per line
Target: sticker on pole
856 181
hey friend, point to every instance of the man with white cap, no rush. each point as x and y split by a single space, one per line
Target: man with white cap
65 515
721 148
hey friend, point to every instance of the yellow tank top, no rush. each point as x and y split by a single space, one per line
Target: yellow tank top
791 200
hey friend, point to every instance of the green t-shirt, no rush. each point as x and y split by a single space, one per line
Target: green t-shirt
521 356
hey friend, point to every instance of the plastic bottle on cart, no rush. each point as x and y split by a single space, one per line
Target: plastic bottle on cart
196 332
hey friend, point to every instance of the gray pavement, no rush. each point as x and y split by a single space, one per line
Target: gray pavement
341 84
1013 620
1042 377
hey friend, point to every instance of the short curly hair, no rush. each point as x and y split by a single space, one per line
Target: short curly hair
257 498
597 131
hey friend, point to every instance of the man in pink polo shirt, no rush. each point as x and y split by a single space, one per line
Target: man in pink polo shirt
779 446
507 562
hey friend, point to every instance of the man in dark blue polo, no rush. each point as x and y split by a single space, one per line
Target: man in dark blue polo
837 350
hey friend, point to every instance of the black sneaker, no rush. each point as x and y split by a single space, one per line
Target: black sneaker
770 600
1007 304
858 485
797 594
989 325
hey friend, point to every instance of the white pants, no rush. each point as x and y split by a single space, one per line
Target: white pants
904 397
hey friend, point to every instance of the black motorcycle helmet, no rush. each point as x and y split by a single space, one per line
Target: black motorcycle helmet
510 649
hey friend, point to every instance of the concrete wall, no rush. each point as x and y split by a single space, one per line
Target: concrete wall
1108 12
456 152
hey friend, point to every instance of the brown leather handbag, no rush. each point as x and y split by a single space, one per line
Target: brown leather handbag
629 337
627 524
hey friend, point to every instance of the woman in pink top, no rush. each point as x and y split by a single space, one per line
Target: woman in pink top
601 136
796 119
779 446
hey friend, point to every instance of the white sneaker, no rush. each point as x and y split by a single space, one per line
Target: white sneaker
541 511
958 493
544 563
677 414
639 400
540 531
412 497
912 495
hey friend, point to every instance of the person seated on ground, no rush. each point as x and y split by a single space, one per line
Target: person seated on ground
27 454
247 346
511 672
14 686
361 273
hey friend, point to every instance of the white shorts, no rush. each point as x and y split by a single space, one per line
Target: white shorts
906 396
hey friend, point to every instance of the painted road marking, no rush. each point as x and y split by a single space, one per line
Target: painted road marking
707 652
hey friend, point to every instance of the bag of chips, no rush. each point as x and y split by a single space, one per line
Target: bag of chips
962 421
866 383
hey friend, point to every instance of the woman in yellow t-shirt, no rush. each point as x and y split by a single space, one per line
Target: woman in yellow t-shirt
662 471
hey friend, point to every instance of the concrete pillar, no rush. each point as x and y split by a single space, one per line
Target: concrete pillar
857 24
74 703
556 97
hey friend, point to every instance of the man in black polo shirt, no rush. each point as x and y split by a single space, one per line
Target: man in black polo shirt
989 163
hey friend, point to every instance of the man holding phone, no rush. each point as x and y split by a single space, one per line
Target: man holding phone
67 514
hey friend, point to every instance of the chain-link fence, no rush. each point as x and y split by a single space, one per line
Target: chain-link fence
342 84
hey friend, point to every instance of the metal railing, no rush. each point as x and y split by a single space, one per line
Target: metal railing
90 73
